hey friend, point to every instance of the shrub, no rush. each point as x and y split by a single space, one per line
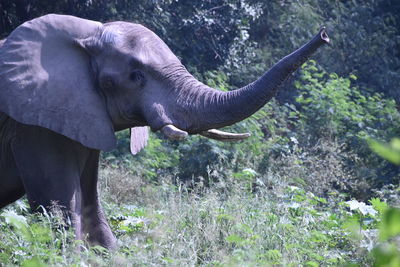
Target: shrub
331 108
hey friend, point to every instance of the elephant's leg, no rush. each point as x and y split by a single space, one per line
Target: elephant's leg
50 166
94 221
11 187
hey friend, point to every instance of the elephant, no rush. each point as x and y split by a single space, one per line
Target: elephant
68 84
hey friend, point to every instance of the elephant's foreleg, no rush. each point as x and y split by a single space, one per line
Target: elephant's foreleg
50 166
94 221
11 187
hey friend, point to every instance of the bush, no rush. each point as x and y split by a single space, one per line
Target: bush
330 108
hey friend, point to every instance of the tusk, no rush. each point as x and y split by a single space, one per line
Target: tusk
224 136
173 133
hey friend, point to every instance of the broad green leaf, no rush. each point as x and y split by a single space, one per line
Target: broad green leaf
19 222
34 262
391 153
15 219
273 255
234 239
390 225
386 255
378 205
395 144
311 264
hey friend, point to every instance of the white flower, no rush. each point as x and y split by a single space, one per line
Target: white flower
353 204
293 188
294 205
294 140
367 209
133 221
362 207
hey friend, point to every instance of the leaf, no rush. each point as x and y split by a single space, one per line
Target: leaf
273 255
34 262
19 222
311 264
386 255
395 144
318 237
15 219
378 205
41 233
234 239
391 153
390 226
352 225
353 77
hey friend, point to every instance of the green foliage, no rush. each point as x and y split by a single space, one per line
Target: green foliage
390 152
273 256
217 79
387 255
332 108
364 34
378 205
152 161
222 225
390 227
329 127
34 240
226 224
203 33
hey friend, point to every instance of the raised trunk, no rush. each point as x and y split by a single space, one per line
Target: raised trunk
216 109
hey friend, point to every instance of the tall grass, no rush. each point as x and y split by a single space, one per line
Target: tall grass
244 220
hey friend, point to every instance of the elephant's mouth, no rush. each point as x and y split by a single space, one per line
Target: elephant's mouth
131 119
174 133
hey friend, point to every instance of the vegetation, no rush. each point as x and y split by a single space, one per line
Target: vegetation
305 189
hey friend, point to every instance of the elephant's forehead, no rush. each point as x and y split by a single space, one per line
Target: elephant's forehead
131 36
149 46
140 42
150 52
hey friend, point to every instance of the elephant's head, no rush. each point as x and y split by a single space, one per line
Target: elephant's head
85 79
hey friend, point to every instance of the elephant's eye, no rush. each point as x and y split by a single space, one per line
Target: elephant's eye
136 76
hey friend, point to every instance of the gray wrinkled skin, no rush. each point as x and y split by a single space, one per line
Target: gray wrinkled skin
68 83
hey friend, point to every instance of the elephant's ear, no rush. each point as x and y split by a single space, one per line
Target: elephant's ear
45 80
139 136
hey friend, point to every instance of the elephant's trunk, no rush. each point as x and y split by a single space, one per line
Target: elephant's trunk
211 108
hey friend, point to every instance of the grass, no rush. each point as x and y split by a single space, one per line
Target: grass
245 220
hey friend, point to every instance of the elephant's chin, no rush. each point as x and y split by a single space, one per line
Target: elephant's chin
174 133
